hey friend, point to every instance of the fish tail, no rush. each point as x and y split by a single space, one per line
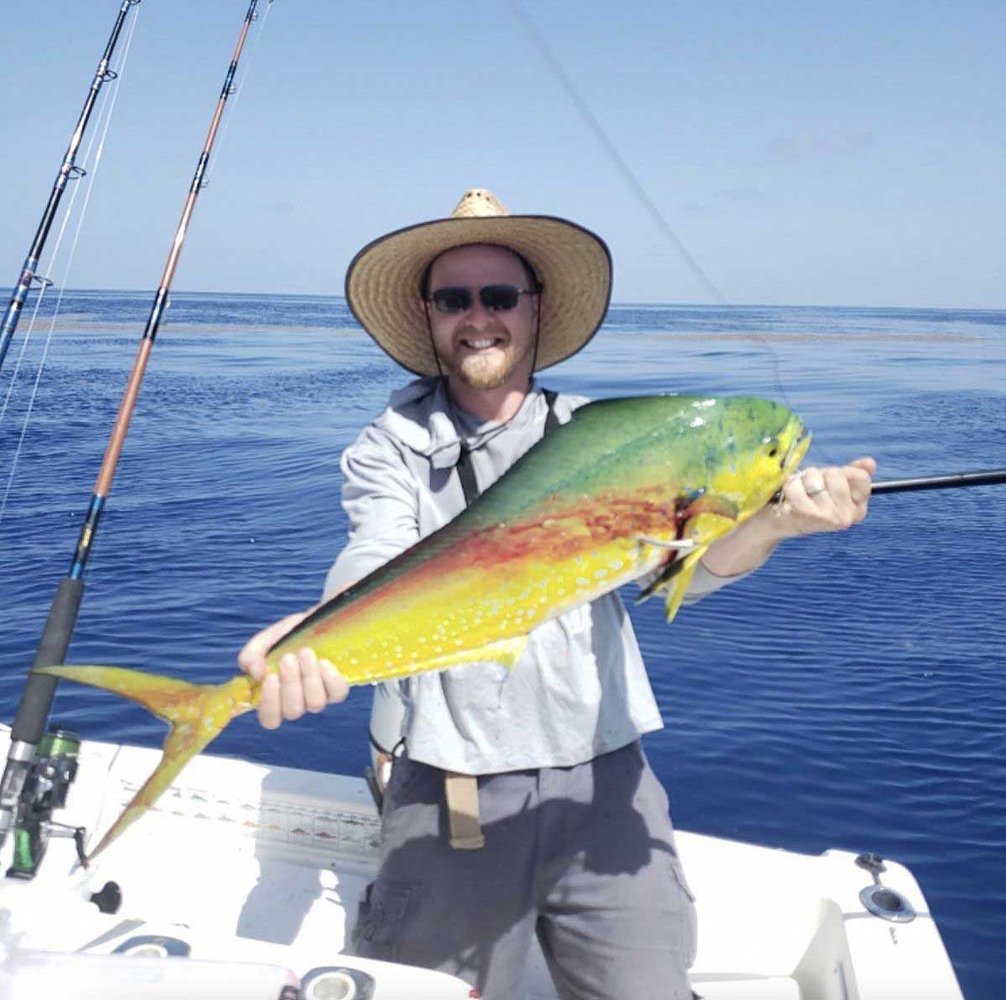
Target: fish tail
182 744
164 697
196 713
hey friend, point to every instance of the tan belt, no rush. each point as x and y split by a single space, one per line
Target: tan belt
462 791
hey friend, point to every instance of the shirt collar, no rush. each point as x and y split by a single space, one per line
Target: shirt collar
421 416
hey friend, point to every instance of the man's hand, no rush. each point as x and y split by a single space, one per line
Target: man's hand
830 499
815 500
303 683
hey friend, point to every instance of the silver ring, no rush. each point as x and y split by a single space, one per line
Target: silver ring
813 491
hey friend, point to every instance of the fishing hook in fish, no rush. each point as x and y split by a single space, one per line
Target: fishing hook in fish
682 545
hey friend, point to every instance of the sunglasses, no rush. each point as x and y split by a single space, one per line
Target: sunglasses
495 298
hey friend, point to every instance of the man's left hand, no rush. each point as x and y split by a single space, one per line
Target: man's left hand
828 499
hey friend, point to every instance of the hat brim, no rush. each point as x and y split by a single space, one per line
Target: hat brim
573 264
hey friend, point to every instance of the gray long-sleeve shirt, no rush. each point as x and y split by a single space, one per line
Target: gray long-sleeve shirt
579 690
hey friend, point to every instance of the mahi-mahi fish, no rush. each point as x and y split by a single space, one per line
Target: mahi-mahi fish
628 488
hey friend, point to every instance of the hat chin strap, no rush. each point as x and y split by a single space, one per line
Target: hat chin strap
433 343
537 338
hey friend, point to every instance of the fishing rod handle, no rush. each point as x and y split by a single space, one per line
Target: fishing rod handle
30 721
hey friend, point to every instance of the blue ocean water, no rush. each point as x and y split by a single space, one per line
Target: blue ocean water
850 694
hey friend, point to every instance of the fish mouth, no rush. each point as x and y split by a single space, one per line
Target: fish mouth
797 447
799 442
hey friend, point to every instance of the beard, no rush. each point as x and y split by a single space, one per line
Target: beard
487 369
483 372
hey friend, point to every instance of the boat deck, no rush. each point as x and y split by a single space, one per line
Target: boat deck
244 863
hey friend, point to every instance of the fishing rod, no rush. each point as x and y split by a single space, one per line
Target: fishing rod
953 480
68 171
23 800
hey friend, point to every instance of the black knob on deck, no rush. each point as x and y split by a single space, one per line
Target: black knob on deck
109 899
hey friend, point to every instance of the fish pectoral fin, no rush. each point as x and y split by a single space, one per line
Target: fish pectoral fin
716 518
673 582
714 503
184 741
661 581
705 519
166 697
674 589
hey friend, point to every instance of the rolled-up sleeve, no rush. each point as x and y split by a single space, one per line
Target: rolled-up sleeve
705 582
380 497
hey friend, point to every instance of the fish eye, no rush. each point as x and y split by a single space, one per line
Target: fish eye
771 445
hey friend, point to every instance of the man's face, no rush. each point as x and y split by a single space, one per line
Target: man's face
483 348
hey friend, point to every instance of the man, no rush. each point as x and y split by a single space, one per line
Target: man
563 831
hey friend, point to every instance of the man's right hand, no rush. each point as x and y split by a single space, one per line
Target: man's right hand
302 684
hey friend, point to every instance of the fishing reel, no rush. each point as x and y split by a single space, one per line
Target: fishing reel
46 786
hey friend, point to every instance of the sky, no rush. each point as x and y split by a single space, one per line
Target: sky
803 153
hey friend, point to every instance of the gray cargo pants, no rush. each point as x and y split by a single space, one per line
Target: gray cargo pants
582 856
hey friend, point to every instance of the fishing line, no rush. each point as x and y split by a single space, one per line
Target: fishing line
96 145
612 150
46 282
236 91
106 108
36 700
43 357
68 171
637 188
985 477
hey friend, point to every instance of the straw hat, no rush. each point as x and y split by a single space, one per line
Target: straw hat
572 263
